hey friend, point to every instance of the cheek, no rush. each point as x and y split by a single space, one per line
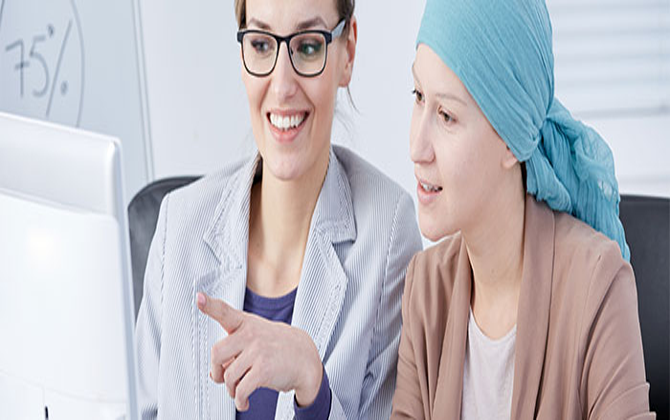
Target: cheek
321 92
323 89
486 163
414 125
471 176
459 172
323 98
255 88
455 164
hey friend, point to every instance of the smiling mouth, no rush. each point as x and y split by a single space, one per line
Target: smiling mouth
287 122
429 187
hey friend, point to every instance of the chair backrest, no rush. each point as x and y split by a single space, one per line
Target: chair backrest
142 219
646 221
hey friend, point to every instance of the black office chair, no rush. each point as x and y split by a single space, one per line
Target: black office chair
142 219
646 221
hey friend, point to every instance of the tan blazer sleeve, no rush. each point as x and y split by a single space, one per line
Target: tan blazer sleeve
407 402
613 379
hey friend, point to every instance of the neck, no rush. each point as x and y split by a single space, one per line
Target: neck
280 217
495 248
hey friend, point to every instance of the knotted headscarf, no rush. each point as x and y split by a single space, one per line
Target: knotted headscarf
501 51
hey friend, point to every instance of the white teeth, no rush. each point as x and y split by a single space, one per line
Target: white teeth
286 122
430 188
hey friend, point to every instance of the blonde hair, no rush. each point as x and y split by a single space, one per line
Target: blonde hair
345 8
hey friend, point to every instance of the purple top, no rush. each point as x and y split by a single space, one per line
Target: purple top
263 402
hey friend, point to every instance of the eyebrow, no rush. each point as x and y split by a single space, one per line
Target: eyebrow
311 23
261 25
307 24
439 95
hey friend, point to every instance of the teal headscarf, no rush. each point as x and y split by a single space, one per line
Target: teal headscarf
501 51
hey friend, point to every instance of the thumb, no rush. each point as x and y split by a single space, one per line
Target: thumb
229 318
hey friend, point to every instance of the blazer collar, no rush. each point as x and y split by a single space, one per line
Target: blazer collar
323 281
228 234
448 392
534 305
532 320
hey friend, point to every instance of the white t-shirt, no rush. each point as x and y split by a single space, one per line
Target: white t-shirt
488 375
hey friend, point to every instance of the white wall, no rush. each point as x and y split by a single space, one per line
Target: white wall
199 115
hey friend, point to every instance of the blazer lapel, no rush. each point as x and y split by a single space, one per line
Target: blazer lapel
228 238
446 403
534 305
323 282
228 233
212 399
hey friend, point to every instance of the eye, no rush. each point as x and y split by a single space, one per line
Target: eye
418 96
446 117
309 49
260 45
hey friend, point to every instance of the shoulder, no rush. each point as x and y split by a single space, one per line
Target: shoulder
193 207
211 186
383 213
432 273
588 267
364 178
581 248
373 194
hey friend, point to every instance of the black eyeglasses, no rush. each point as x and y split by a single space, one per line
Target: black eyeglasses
308 50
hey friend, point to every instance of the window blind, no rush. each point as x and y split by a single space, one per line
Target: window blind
612 57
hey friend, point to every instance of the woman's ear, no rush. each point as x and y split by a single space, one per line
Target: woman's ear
509 160
351 52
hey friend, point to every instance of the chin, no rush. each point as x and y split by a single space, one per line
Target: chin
430 231
433 228
432 235
287 167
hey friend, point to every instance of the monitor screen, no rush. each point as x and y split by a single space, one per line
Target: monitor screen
66 314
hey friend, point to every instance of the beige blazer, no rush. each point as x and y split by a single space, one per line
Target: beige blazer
578 347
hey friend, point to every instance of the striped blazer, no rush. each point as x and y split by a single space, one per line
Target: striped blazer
362 235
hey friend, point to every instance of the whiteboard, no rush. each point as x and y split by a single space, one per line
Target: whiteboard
78 63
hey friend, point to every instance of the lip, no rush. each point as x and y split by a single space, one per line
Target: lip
286 136
425 197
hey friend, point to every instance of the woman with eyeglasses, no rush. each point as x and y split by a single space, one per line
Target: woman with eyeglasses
527 309
273 287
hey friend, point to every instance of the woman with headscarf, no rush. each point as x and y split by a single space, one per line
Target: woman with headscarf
528 308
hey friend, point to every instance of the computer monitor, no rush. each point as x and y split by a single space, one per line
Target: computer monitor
66 315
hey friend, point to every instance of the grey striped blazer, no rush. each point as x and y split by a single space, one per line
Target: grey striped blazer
362 235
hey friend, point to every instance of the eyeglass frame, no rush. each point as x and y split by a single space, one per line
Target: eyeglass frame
329 36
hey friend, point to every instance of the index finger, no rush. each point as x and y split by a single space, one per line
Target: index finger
229 318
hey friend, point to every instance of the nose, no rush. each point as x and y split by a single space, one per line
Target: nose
284 83
420 144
